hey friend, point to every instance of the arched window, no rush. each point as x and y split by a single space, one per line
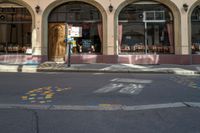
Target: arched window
146 27
81 22
195 21
15 27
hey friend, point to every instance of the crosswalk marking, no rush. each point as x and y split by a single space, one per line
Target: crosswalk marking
131 89
109 88
121 88
124 86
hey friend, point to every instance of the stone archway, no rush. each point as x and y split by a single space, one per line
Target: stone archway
176 16
55 4
192 8
17 24
194 56
22 3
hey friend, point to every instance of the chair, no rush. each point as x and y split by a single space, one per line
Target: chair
160 48
141 48
125 48
1 47
166 49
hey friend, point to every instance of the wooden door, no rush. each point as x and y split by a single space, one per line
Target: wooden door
56 44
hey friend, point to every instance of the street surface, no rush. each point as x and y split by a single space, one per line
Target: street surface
99 103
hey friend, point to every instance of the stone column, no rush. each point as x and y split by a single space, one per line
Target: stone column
36 37
109 45
185 46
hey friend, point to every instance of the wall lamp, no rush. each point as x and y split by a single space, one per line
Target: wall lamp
37 9
185 7
110 8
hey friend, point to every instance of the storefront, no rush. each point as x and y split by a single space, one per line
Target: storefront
17 41
195 22
16 29
79 20
113 31
146 28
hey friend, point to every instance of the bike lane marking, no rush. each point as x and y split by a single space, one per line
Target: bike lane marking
124 86
42 95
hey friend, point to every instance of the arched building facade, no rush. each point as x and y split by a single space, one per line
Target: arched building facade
120 31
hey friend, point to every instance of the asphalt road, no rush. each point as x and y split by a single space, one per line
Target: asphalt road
99 103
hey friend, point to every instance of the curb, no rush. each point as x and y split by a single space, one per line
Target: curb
119 71
35 68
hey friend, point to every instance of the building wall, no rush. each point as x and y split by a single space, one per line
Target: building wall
182 24
110 35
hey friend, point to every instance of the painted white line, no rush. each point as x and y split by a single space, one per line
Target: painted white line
108 107
87 108
132 89
121 88
109 88
125 80
98 73
24 106
153 106
193 104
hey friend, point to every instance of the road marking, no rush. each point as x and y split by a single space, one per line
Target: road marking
109 88
121 88
42 95
186 82
125 80
193 104
132 89
124 86
100 107
154 106
98 73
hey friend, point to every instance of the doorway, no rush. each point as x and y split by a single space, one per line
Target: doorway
79 16
57 46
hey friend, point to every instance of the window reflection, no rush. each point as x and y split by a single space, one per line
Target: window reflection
146 27
195 18
85 16
15 27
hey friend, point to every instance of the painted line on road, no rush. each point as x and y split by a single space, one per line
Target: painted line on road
121 88
109 88
108 107
98 73
42 95
192 104
126 80
132 89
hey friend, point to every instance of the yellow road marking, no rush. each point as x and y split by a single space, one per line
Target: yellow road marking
24 97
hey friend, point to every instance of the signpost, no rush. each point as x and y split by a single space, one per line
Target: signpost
69 52
70 34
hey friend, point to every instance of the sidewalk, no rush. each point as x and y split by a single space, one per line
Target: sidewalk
103 68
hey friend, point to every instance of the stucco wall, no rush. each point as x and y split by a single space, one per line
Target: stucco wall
182 23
